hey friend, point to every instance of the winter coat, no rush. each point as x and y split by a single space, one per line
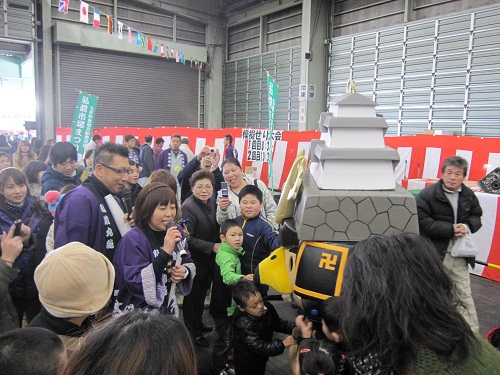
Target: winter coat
227 272
253 339
8 314
203 234
70 333
24 284
54 180
436 218
147 160
259 240
20 161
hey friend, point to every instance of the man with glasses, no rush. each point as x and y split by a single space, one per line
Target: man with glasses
446 211
83 215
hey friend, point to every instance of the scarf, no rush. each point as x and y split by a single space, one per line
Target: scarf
17 210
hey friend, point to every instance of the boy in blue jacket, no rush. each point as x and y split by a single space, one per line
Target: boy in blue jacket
259 235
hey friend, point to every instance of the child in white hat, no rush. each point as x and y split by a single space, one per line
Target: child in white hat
74 282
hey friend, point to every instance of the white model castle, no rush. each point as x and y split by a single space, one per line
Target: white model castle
351 153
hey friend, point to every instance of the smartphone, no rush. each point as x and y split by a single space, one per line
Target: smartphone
224 190
17 230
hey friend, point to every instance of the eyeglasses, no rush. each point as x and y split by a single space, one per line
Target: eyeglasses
201 187
121 172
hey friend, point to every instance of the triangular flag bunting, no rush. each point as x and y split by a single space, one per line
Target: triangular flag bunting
84 12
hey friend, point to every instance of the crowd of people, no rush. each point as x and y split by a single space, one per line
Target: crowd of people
96 254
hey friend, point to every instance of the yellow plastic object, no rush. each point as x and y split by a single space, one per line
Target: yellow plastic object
291 188
273 272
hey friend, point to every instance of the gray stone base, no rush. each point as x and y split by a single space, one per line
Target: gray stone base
352 215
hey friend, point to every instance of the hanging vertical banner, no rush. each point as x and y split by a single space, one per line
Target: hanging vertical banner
63 6
97 18
83 121
272 95
84 12
110 25
120 30
129 35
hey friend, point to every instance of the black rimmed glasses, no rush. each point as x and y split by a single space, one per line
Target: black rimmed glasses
121 172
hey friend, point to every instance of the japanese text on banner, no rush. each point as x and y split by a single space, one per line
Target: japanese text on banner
258 143
83 121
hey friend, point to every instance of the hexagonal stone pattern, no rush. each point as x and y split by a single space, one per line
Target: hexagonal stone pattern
352 215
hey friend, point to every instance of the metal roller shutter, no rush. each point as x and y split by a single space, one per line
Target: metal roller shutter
245 90
133 90
440 74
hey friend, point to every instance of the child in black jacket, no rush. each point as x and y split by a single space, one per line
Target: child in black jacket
254 324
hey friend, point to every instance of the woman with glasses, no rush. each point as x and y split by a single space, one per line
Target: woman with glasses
146 257
61 170
204 243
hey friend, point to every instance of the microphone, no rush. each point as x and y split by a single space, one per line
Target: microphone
179 245
127 200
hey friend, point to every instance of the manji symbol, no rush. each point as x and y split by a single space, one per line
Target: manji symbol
328 261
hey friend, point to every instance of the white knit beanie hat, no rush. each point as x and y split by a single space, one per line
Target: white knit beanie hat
74 280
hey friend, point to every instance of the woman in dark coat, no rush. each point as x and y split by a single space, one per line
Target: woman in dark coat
200 209
17 203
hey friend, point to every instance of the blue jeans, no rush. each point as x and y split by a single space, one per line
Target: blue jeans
222 343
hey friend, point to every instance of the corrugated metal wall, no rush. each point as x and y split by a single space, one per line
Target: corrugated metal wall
133 90
149 20
17 19
440 74
245 90
252 48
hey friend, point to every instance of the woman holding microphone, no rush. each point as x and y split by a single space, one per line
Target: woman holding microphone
148 262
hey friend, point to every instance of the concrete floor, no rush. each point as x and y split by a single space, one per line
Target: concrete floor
486 294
